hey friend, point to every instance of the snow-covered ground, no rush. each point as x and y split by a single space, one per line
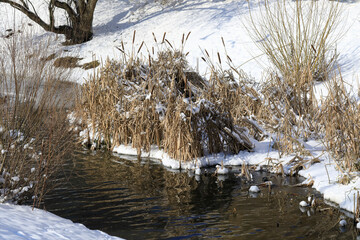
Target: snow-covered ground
24 223
208 21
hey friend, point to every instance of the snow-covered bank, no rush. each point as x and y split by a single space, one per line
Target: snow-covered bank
321 173
21 222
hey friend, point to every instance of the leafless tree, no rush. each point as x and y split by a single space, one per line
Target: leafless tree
78 12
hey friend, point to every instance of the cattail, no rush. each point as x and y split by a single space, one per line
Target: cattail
140 47
163 39
187 36
134 34
154 37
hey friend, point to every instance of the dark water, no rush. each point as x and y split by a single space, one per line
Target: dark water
141 200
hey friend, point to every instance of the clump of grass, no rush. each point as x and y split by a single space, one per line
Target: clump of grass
67 62
235 93
159 101
34 135
290 113
90 65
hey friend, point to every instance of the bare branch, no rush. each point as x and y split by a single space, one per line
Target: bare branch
79 13
51 14
24 4
34 9
33 16
72 14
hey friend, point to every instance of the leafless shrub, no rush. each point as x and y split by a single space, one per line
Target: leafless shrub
298 36
299 39
35 135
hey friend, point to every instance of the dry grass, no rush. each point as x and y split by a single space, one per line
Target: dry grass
90 65
290 112
297 117
301 48
340 118
67 62
160 101
235 93
34 134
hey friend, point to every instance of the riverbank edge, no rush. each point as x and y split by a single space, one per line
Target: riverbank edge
322 174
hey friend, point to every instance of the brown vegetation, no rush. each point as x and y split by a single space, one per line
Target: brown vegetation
159 101
67 62
35 134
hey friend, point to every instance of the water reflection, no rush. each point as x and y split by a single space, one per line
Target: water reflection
142 200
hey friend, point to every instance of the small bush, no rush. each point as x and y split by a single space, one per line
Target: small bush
299 39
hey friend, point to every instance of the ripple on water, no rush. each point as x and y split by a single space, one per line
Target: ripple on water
142 200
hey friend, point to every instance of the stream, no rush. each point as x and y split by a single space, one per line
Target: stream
140 199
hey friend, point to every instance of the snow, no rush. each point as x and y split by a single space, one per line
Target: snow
21 222
197 171
207 21
254 189
342 223
221 170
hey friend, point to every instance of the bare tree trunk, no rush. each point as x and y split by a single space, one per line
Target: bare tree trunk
80 15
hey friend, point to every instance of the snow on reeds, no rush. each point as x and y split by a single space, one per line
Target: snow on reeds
159 100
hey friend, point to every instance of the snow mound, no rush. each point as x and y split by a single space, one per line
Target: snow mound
23 223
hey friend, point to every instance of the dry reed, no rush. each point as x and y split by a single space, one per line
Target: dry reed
340 117
160 101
